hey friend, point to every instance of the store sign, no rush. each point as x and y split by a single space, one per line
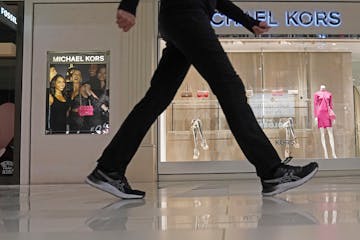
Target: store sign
295 18
316 18
290 19
7 17
78 58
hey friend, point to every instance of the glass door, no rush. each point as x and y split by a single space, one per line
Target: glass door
288 82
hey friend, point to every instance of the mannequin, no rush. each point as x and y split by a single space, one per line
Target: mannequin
196 128
322 104
289 136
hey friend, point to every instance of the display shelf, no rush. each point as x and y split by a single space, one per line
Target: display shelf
273 134
268 115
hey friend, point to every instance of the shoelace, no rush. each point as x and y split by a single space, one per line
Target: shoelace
289 168
287 160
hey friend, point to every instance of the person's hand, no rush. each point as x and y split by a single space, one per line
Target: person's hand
262 28
125 20
316 121
87 91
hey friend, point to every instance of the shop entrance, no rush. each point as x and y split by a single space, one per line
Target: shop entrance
11 29
285 81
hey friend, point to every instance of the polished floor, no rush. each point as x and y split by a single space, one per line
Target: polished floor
325 208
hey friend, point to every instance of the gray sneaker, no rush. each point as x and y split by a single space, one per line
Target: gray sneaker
113 183
287 177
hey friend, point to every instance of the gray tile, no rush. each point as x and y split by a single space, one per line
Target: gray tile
324 208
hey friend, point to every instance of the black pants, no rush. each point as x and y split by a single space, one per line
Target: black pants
191 40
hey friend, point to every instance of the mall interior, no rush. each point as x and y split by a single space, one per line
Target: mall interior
197 180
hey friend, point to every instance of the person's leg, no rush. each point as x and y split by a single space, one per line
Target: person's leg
109 175
168 77
192 34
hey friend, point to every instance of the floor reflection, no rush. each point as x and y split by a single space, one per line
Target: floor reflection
277 211
113 216
208 209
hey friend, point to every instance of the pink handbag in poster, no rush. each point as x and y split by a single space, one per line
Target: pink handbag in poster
86 111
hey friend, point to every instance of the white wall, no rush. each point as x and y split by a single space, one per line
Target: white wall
83 26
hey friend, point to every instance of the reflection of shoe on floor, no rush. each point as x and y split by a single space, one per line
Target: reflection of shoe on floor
114 184
277 211
113 216
123 204
287 177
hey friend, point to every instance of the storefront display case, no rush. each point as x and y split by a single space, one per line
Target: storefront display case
280 87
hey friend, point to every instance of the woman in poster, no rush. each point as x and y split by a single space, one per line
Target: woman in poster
58 105
77 123
99 96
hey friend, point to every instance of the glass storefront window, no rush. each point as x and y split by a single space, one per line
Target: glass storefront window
285 81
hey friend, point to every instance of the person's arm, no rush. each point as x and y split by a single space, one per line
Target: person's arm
125 16
237 14
129 6
51 99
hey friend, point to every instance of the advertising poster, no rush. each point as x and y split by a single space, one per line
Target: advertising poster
78 93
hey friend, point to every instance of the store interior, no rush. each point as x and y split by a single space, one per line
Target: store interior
10 90
282 78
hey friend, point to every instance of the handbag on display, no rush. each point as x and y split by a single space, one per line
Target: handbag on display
332 115
331 112
187 92
202 93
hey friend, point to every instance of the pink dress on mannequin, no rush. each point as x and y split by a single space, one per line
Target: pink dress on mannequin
322 103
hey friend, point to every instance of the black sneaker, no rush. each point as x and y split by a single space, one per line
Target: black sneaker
287 177
114 184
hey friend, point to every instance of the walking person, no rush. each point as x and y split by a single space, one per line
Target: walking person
190 40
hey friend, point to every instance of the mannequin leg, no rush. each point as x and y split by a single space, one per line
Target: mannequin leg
331 139
195 130
322 133
287 143
203 142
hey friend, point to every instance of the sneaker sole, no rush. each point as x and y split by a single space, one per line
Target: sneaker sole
287 186
112 190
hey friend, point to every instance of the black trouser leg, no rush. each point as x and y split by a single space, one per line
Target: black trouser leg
166 80
191 32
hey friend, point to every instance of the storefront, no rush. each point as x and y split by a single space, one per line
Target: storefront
11 13
311 44
307 65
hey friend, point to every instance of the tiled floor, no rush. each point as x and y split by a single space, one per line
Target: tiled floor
324 208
